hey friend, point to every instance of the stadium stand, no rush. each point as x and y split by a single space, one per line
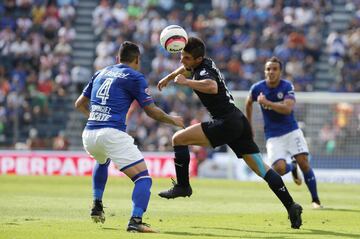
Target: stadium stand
54 57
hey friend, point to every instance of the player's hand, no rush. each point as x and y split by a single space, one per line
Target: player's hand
163 83
178 121
180 79
261 99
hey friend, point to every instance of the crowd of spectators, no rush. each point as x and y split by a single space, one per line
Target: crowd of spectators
36 37
35 58
240 36
344 53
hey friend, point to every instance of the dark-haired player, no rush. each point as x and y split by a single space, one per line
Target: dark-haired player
284 139
110 93
228 126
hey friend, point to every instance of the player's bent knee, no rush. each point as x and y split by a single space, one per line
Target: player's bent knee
279 168
177 139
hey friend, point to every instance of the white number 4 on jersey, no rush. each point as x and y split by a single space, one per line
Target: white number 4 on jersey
103 91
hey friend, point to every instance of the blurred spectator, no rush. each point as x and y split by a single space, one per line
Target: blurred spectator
67 13
34 141
80 76
327 138
60 142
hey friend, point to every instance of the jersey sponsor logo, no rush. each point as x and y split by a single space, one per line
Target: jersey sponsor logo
280 95
203 72
116 74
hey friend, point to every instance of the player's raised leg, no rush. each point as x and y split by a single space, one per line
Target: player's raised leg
309 178
192 135
282 168
275 182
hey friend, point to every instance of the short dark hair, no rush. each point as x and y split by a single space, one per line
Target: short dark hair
274 59
195 47
128 51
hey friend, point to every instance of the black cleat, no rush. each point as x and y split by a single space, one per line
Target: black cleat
97 212
295 215
296 173
176 191
136 225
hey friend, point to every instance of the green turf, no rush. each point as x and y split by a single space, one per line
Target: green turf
58 207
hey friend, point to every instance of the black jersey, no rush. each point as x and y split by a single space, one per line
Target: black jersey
219 104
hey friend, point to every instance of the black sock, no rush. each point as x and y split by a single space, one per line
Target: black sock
278 187
182 160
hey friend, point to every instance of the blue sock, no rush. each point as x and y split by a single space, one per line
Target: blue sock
99 178
141 193
310 181
182 161
288 168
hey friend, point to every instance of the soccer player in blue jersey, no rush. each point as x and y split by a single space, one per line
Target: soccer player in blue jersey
228 126
284 139
105 101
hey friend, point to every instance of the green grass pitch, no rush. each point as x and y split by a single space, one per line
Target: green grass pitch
58 207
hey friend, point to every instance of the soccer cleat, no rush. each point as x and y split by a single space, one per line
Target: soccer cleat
295 215
97 212
136 225
316 204
296 173
176 191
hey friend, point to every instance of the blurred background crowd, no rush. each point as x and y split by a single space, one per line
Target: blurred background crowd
40 41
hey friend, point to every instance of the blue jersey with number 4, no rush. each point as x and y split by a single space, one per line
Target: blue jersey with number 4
275 124
111 92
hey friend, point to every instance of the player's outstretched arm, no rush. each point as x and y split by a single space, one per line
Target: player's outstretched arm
158 114
249 108
207 86
82 105
165 81
248 111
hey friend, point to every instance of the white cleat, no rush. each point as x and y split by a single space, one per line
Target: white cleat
316 205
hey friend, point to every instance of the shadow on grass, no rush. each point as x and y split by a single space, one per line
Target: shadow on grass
11 223
339 209
110 228
313 232
198 234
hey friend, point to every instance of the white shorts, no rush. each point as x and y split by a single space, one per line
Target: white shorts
286 146
111 143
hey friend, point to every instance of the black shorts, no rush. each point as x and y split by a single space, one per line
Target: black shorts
234 130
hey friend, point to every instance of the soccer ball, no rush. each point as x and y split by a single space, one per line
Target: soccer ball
173 38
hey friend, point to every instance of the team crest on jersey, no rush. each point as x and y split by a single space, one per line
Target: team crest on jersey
203 72
280 95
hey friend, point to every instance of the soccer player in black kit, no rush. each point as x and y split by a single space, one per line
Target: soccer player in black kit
228 126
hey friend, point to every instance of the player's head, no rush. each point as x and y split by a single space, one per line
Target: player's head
193 53
129 53
273 68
